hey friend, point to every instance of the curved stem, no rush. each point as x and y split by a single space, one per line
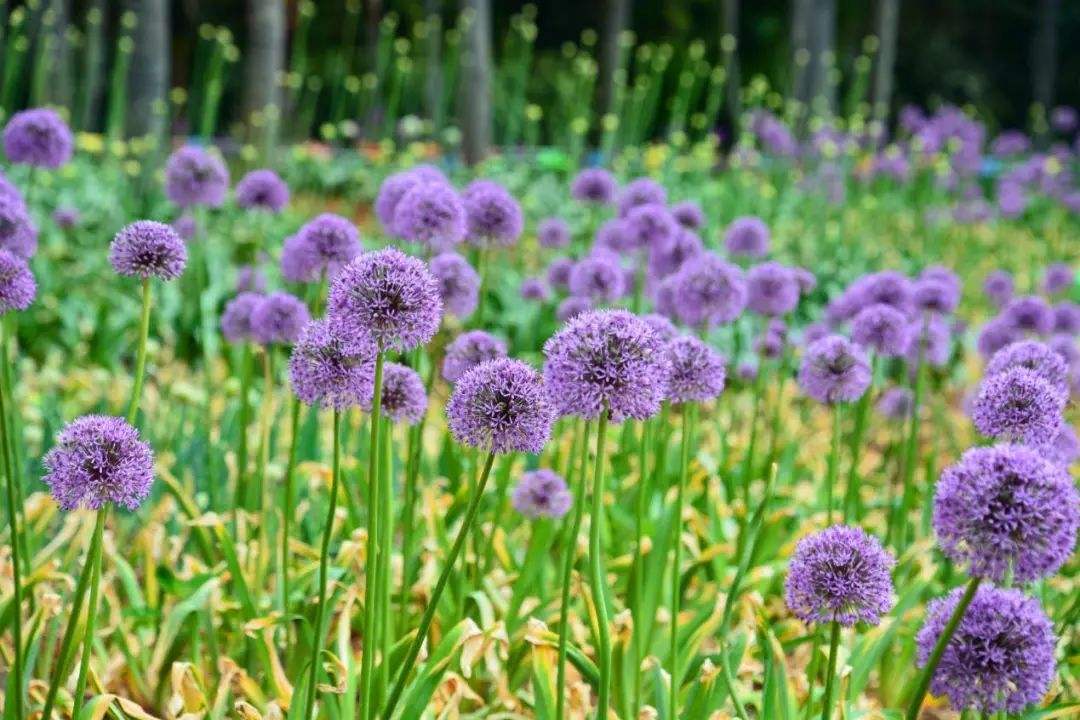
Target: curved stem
287 502
140 356
264 427
834 461
676 564
433 602
13 521
240 493
91 612
367 659
830 677
596 571
911 447
386 541
580 446
638 590
862 412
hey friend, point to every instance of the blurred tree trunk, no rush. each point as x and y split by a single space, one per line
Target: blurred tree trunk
91 69
1044 53
801 13
821 91
616 17
263 67
59 90
476 82
433 78
729 43
149 79
888 19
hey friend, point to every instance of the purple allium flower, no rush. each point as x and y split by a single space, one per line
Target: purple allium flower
1058 278
688 214
298 263
888 287
1010 142
66 217
186 227
147 249
1035 356
553 232
8 191
806 279
1005 509
1012 200
396 186
324 244
1018 405
1064 119
1067 318
771 289
747 371
930 341
896 403
278 318
615 235
501 406
594 185
430 213
194 176
649 226
814 332
747 237
459 284
841 575
1030 314
606 358
236 317
333 365
534 289
558 272
1064 449
697 371
998 286
661 326
641 191
669 258
390 294
770 343
1001 656
492 215
262 190
404 398
598 277
996 334
834 370
38 137
542 493
571 307
250 278
18 234
883 329
98 460
709 291
934 295
1065 346
469 350
17 285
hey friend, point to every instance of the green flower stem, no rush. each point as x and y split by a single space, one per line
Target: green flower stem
386 539
240 493
862 413
596 571
367 659
911 448
687 413
637 596
939 649
830 677
91 611
9 331
140 356
412 474
579 446
13 506
440 586
264 429
320 611
287 501
834 461
748 461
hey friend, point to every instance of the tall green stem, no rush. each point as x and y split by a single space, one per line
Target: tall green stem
862 412
596 571
580 446
676 563
638 590
386 542
13 522
367 659
834 461
830 678
912 446
287 502
264 428
91 611
140 356
440 586
240 495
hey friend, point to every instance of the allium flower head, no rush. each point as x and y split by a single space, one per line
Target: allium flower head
333 365
571 307
998 287
594 185
772 289
8 191
430 213
615 236
661 326
262 190
842 575
66 217
236 317
896 403
1030 314
492 216
18 233
404 398
930 341
814 332
469 350
834 370
689 215
542 493
996 334
278 318
147 249
708 292
1064 449
1019 405
1001 656
459 284
1035 356
669 258
553 232
697 371
1067 318
888 287
558 272
186 227
17 285
396 186
38 137
883 329
934 295
390 294
606 358
250 278
598 277
98 460
641 191
534 289
772 341
324 244
501 406
1065 346
747 237
649 226
194 176
1058 278
807 280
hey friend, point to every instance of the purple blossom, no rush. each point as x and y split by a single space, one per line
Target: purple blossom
404 398
501 406
262 190
1030 314
396 186
1035 356
1058 277
542 493
17 285
553 232
250 278
934 295
930 341
18 233
998 287
1064 449
1018 405
430 213
688 214
597 277
708 291
669 258
534 289
747 237
459 284
649 226
186 227
594 185
99 460
571 307
833 370
772 289
66 217
888 287
236 317
38 137
615 235
896 403
661 326
883 329
558 272
697 371
333 365
278 318
147 249
1064 119
194 176
492 216
9 192
469 350
321 246
814 332
1067 318
641 191
806 279
996 334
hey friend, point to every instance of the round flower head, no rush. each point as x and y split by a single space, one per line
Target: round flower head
492 216
8 191
1034 356
597 277
998 287
236 318
147 249
697 371
553 232
333 365
18 234
1058 278
1065 346
996 334
194 176
669 258
186 227
896 403
98 460
396 186
641 191
298 263
942 274
888 287
1005 509
606 358
839 574
542 493
834 370
1030 314
1019 405
66 217
262 190
663 327
404 398
571 307
249 278
469 350
806 279
1001 656
934 295
688 214
772 341
558 272
771 289
459 284
501 406
649 226
747 237
708 292
1067 317
747 371
17 286
883 329
615 236
1064 449
278 318
930 336
594 185
38 137
322 245
430 213
534 289
391 295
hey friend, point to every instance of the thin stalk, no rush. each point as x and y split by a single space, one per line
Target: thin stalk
13 522
367 659
91 612
834 460
440 586
580 447
264 427
638 590
287 501
596 571
386 540
687 413
862 412
240 492
748 461
830 678
140 356
912 446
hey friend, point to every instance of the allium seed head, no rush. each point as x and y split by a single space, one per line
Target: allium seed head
747 237
772 289
553 232
147 249
501 406
98 460
708 292
1018 405
1035 356
236 317
492 216
18 233
697 371
404 398
432 214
